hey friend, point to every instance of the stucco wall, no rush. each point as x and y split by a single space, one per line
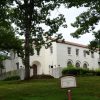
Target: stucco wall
58 58
63 56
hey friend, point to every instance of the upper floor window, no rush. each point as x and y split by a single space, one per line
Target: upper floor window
84 53
69 50
51 49
77 52
92 54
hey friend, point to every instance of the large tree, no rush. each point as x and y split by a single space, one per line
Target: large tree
29 16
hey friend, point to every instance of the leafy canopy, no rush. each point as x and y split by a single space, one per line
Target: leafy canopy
30 15
8 40
87 21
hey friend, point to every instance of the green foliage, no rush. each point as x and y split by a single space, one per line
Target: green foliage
74 71
87 21
8 40
42 77
95 44
98 72
70 66
12 78
80 71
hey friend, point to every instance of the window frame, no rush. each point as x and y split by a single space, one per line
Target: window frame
69 50
77 52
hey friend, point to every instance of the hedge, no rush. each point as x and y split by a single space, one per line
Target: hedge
80 71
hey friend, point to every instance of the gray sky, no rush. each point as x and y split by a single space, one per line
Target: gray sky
70 15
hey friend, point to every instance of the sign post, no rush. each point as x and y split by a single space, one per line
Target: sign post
68 82
69 94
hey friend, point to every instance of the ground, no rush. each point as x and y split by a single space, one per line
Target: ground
88 88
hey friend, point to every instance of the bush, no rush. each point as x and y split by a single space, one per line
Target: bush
97 72
77 71
12 78
42 77
69 71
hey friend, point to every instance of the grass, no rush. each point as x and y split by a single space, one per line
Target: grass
88 88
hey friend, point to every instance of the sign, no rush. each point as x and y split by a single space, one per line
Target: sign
68 82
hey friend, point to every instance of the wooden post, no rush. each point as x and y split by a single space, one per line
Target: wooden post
69 95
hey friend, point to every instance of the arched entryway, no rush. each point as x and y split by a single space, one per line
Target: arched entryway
34 66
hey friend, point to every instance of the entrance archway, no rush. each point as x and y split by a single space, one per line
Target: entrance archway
34 69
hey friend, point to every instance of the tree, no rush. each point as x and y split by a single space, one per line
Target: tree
8 40
95 44
29 16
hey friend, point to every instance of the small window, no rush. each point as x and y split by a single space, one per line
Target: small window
77 52
17 64
51 49
69 50
92 55
78 65
85 65
84 53
69 63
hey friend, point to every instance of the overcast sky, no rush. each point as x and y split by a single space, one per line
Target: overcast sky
70 15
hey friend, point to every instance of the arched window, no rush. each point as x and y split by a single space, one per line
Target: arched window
85 65
69 63
77 64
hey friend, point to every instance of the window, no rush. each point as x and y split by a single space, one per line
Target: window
17 64
77 64
69 63
51 49
84 52
92 54
69 50
85 65
77 52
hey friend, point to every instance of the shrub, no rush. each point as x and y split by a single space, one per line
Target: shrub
70 71
42 77
97 72
12 78
77 71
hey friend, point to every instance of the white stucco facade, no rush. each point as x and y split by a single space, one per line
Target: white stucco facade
55 57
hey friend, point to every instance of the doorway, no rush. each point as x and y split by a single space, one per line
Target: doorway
34 69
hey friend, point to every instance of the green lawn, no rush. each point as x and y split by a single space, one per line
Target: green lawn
88 88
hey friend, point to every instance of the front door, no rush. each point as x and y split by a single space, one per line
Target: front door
34 69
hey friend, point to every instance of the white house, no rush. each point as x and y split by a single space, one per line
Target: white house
58 56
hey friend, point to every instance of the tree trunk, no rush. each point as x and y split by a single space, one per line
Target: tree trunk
28 20
27 56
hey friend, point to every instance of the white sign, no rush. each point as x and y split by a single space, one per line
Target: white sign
68 81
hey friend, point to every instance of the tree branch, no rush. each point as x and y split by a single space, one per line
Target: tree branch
18 2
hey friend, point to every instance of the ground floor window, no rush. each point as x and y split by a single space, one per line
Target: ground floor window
69 63
77 64
85 65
